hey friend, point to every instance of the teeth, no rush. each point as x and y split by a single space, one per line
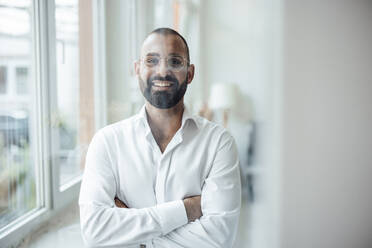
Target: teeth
162 84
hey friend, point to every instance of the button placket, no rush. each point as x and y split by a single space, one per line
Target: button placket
156 154
156 158
163 167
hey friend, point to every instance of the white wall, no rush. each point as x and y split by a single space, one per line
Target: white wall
231 41
327 120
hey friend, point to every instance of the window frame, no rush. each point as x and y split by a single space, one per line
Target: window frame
62 195
99 62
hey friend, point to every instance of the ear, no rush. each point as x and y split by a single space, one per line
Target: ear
137 67
190 73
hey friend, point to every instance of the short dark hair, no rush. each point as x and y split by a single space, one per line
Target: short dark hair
169 31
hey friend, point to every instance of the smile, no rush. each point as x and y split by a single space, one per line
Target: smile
159 83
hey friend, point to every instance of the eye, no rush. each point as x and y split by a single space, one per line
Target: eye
175 62
151 61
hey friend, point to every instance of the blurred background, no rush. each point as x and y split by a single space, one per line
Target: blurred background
291 80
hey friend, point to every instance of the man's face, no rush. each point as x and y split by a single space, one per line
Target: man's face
162 72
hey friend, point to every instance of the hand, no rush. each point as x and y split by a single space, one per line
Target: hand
193 207
119 203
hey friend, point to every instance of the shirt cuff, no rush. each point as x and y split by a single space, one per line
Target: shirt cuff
172 215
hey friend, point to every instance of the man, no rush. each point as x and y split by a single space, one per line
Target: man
162 178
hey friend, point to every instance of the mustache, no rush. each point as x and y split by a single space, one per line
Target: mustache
166 78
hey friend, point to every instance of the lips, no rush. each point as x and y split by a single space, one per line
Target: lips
160 83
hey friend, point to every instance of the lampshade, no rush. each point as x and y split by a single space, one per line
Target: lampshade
223 96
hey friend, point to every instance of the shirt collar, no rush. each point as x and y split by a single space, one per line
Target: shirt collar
142 118
188 116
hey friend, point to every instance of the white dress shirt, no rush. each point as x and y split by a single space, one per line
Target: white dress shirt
124 160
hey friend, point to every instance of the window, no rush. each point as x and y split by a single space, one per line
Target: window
18 194
3 80
47 109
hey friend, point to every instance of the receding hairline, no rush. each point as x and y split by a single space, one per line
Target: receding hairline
166 32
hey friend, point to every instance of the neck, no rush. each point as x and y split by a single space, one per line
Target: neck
164 123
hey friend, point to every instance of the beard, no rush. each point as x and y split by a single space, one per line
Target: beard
164 99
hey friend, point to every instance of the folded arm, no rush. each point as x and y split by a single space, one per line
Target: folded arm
105 225
192 206
220 203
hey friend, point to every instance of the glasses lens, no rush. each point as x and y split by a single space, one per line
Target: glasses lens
175 62
152 61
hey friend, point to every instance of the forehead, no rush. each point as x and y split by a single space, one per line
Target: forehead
163 45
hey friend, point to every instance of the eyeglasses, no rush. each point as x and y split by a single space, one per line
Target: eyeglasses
174 63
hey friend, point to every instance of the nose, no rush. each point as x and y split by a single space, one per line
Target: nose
162 68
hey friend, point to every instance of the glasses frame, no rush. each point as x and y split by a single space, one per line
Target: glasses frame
185 61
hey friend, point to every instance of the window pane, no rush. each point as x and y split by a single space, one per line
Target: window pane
67 52
17 167
22 80
3 79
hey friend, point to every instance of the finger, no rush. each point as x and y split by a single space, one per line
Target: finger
119 203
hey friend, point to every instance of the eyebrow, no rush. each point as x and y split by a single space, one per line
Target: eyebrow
157 54
175 54
152 54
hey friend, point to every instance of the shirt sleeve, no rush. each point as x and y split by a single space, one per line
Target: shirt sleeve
220 202
105 225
